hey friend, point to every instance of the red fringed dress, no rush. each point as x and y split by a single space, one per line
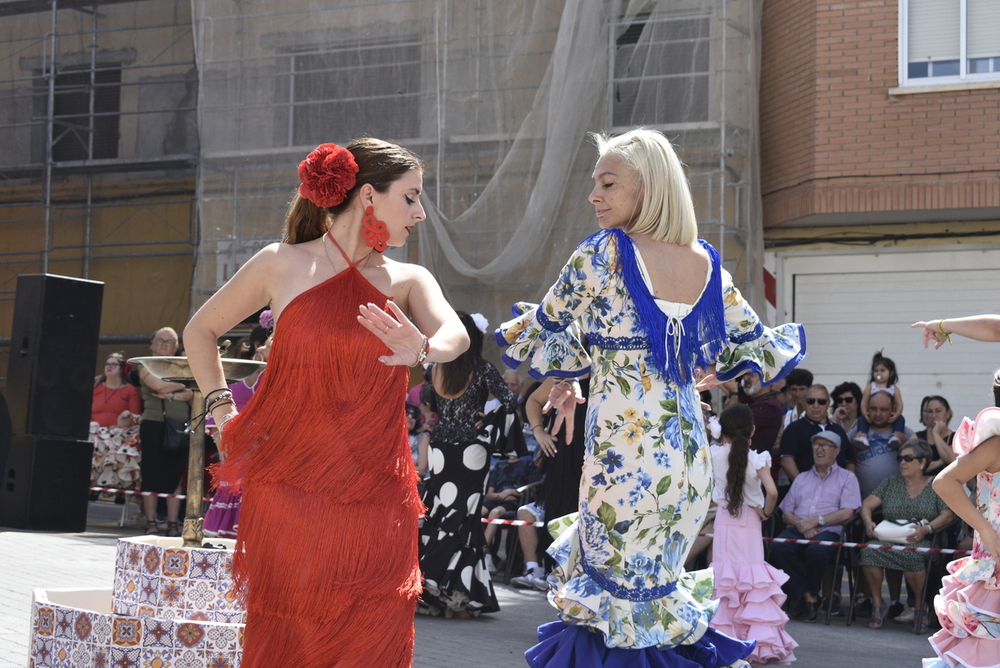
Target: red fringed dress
326 556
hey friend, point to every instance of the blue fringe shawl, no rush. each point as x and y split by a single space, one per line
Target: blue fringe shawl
703 335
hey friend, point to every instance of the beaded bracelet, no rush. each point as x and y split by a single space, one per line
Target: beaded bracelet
425 348
224 402
221 389
227 394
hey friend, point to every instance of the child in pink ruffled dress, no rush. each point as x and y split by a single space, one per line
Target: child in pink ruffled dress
748 588
968 605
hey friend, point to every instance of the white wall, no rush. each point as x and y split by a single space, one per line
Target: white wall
854 303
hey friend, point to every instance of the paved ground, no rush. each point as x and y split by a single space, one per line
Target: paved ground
46 560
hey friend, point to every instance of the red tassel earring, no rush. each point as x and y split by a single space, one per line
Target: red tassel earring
374 231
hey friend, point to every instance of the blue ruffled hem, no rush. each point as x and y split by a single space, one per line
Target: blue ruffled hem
748 364
563 646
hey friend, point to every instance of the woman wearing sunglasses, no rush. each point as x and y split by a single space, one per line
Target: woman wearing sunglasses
908 496
846 404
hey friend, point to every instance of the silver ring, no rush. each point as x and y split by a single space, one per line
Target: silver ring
386 330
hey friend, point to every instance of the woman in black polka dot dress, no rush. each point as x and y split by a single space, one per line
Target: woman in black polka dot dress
456 582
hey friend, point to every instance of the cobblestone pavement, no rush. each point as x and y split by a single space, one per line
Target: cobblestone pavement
46 560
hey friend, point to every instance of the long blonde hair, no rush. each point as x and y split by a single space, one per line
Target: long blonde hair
667 212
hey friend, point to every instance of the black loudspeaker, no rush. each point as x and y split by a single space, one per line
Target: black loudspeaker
45 485
53 353
5 431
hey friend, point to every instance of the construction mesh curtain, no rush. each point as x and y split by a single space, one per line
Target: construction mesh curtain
498 98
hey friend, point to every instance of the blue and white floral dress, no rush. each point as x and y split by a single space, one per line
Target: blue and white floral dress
647 473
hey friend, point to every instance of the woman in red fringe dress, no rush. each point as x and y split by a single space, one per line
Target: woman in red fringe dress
326 557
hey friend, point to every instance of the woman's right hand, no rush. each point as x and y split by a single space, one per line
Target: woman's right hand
870 527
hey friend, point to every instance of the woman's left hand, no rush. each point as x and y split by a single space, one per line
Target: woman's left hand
920 534
395 330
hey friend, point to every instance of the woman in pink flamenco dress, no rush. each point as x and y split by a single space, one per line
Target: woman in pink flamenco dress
968 605
748 588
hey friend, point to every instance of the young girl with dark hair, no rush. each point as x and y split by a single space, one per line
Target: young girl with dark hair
748 588
883 378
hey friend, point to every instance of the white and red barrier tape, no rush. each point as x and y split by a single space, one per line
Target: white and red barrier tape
800 541
134 492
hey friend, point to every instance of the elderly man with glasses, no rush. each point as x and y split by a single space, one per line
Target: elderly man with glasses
821 499
796 443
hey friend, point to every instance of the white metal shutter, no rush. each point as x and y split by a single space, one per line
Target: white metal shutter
854 305
983 32
933 30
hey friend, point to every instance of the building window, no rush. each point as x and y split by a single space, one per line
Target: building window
946 41
360 88
86 113
660 71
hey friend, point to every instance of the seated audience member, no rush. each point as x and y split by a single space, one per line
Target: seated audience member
114 410
935 415
819 502
796 441
905 496
797 382
846 403
502 495
876 460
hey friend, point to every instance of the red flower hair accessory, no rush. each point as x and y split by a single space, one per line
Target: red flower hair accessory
327 175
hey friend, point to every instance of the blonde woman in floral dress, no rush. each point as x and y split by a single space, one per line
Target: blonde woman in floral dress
657 308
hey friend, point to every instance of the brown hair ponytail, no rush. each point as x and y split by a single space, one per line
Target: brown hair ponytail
304 221
737 426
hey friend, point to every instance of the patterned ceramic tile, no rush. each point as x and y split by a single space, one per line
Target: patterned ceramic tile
126 631
151 560
158 658
205 564
101 630
176 562
157 632
45 622
189 659
189 635
41 652
122 657
65 619
221 638
83 627
172 593
102 657
200 595
220 660
62 653
148 592
82 654
129 587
